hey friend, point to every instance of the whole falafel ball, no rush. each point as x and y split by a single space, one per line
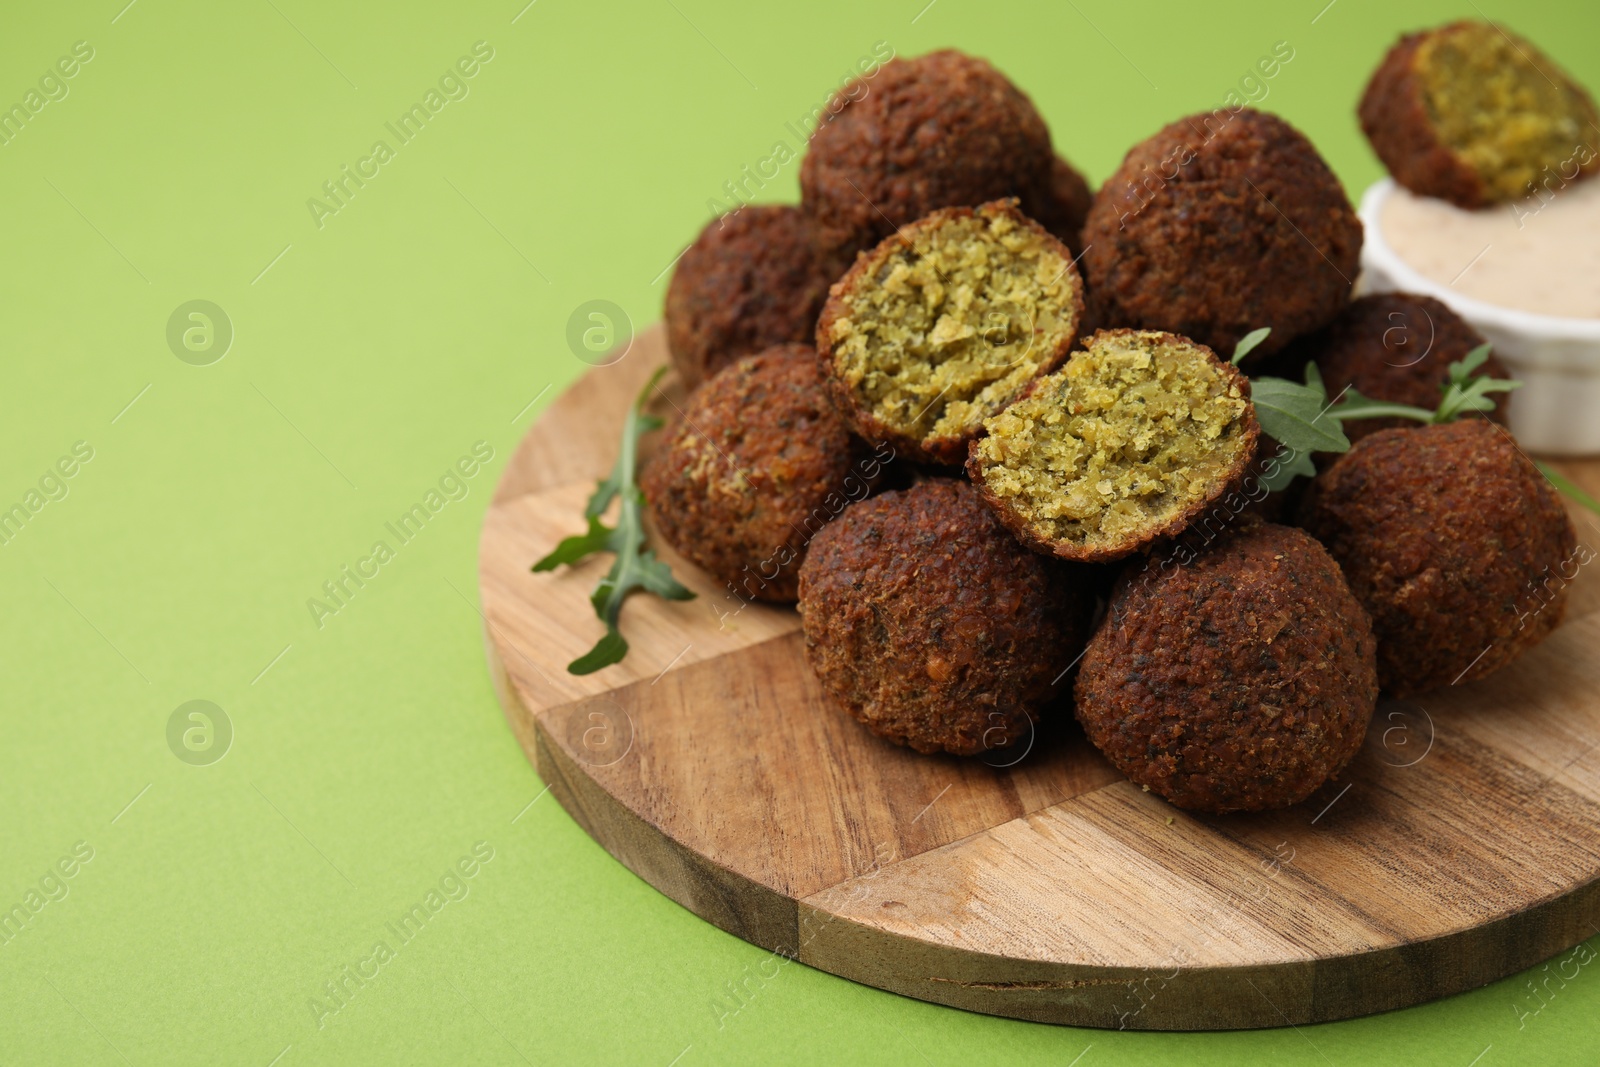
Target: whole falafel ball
1394 347
941 130
1241 680
1216 226
945 322
758 464
1457 546
752 279
930 625
1476 115
1137 435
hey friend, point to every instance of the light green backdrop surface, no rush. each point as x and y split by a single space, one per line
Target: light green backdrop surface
368 354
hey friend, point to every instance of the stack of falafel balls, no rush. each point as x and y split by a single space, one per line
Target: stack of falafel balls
1000 488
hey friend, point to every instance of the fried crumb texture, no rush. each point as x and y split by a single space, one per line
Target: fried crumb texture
1124 445
928 623
1475 115
1454 542
757 463
944 323
1243 681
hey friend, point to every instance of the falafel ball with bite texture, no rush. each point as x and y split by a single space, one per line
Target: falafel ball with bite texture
1476 115
1140 432
1448 536
941 130
1242 680
752 279
931 626
943 324
1394 347
1217 226
758 464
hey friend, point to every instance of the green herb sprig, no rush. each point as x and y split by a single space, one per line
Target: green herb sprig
635 566
1297 417
1465 390
1294 415
1300 416
1248 342
1568 487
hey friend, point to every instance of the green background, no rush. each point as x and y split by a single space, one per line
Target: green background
369 754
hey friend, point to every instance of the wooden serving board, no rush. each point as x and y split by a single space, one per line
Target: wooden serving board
1461 846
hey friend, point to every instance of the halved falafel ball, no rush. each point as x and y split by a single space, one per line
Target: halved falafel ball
1453 541
758 463
1217 225
752 279
1136 435
1475 115
941 130
1240 681
1067 205
943 324
1395 347
929 624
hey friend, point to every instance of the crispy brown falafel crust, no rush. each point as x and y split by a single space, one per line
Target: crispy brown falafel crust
940 130
1216 226
1395 116
1395 120
1451 539
1241 681
926 622
758 464
752 279
1067 205
1395 347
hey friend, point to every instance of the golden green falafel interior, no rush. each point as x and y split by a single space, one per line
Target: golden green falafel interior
1497 109
950 326
1130 435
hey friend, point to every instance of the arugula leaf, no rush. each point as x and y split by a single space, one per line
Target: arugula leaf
1300 418
1298 415
573 549
1356 406
635 567
1461 370
1248 342
1567 487
606 651
1463 391
1295 463
608 490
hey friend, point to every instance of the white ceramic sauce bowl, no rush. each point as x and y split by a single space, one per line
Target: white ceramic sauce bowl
1557 410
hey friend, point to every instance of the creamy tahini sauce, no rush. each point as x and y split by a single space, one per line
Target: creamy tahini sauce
1539 254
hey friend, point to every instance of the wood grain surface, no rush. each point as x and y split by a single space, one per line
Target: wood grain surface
1462 845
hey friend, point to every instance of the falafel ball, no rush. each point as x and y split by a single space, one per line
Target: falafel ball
929 624
1242 680
1067 205
1219 224
1394 347
943 324
752 279
758 464
1140 432
941 130
1475 115
1452 540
